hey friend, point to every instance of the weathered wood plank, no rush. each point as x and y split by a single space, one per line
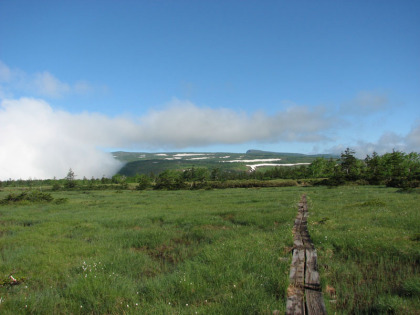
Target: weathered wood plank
295 302
300 269
311 273
313 294
298 243
304 295
314 302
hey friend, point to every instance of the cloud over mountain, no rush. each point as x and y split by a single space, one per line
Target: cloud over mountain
41 142
184 124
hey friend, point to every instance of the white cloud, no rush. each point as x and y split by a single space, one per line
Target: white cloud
38 141
183 124
43 84
365 102
413 138
386 143
82 87
5 73
48 85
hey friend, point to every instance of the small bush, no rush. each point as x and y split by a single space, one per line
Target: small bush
170 180
70 184
32 196
144 182
39 196
10 198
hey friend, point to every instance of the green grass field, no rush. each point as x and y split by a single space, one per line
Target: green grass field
207 251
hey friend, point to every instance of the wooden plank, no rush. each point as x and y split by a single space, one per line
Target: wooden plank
298 242
297 269
304 295
293 267
296 293
312 275
300 269
314 302
295 302
313 294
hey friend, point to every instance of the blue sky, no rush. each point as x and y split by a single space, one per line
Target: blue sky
285 76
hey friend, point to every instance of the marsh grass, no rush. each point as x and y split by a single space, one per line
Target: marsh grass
367 249
207 251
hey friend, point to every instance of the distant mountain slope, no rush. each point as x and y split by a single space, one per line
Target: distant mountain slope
146 163
260 152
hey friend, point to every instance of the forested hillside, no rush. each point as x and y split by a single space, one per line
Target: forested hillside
155 163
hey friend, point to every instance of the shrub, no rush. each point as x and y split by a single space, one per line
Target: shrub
32 196
69 184
170 180
39 196
70 180
144 182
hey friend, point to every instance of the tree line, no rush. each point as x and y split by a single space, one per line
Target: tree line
395 169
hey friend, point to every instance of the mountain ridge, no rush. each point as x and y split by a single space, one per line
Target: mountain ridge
146 163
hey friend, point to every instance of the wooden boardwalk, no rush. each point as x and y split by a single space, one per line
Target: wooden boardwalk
304 294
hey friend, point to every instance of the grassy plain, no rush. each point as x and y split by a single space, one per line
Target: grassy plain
367 240
207 251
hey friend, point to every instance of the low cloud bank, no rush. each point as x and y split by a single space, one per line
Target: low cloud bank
40 142
183 124
386 143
